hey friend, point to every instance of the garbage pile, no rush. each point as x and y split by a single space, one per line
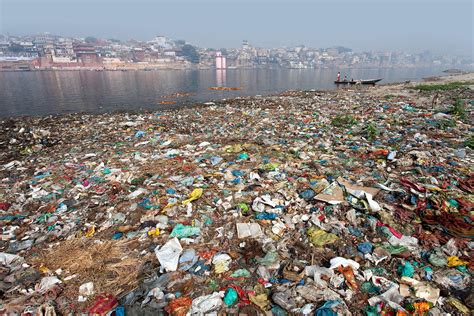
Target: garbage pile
304 203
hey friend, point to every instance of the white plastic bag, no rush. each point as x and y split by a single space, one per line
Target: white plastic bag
168 254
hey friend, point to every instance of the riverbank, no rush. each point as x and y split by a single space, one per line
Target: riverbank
351 200
152 67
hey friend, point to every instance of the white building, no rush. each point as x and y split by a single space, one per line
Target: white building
63 59
162 42
221 62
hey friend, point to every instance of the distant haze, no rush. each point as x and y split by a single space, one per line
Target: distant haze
409 25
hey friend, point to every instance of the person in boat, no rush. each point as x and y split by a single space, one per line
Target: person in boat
338 76
345 77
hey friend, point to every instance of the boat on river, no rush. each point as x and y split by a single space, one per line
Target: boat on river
367 81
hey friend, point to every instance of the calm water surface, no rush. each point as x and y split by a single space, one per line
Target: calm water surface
59 92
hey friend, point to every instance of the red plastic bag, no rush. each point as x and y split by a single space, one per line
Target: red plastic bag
103 304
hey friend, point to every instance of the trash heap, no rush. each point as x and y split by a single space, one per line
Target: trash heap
311 203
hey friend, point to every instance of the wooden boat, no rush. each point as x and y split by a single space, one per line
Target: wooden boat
368 81
167 102
224 88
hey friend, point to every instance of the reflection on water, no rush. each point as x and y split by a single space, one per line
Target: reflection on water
221 77
56 92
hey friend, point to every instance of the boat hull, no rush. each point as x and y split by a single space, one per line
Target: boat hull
370 81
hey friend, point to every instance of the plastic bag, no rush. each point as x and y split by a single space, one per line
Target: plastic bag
183 231
195 194
230 296
168 254
221 262
319 237
206 304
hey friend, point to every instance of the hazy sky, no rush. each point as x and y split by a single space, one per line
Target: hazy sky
410 25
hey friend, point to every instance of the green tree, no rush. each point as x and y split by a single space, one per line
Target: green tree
90 39
190 53
224 51
16 48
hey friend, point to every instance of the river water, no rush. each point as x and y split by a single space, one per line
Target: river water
59 92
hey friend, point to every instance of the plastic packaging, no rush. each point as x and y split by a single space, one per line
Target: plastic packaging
183 231
221 263
168 254
230 297
206 304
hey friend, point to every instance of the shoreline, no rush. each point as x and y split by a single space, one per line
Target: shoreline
335 67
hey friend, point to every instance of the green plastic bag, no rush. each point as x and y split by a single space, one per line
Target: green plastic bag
406 269
183 231
230 296
241 273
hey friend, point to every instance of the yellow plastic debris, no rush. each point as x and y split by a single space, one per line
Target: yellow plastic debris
460 306
233 149
154 232
220 267
261 300
454 261
319 237
90 232
196 194
169 205
44 269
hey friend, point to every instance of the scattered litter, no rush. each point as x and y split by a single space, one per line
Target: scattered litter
347 202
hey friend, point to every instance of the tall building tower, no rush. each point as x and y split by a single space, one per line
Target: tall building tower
221 62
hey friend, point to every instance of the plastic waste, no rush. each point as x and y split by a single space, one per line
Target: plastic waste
241 273
188 259
285 204
206 304
317 272
260 299
284 300
183 231
307 194
103 304
438 259
194 195
421 289
11 261
221 263
252 230
47 283
327 309
179 306
266 216
349 276
343 262
319 237
406 269
365 247
454 261
86 289
230 296
168 254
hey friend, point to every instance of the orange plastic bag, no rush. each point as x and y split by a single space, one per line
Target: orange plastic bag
179 306
349 276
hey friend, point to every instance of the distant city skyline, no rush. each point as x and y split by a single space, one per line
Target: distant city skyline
239 45
412 26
